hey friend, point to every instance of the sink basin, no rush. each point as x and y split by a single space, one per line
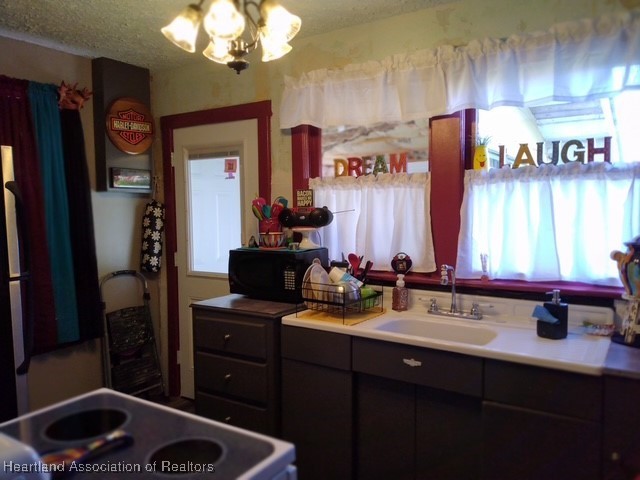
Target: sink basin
470 334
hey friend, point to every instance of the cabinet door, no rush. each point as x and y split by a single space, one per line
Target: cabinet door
317 411
621 428
448 435
526 444
385 438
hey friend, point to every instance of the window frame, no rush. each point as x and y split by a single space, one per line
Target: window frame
450 154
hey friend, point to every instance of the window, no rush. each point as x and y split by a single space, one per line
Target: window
214 201
559 221
572 61
376 180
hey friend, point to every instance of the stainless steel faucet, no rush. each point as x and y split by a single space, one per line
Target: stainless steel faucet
445 270
448 276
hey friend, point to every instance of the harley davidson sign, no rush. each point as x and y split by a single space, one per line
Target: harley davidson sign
130 126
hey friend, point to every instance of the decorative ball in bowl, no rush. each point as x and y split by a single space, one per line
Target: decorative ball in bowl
272 239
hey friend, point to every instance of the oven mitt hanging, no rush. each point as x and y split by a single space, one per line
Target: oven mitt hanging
152 228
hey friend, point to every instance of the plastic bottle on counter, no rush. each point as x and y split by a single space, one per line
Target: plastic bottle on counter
556 327
400 297
339 276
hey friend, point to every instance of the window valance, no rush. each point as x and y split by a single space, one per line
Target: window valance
575 60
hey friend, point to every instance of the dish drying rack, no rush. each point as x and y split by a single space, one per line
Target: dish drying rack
333 300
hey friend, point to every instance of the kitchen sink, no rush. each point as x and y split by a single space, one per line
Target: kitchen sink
448 332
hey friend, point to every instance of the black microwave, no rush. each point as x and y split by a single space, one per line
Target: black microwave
274 275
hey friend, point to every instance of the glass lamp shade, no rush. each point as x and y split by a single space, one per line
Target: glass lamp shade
218 51
272 49
183 30
279 23
223 20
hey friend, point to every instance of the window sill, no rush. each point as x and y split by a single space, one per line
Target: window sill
571 292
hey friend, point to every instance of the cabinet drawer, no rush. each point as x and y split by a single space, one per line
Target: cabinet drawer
549 390
231 336
233 377
234 413
326 349
421 366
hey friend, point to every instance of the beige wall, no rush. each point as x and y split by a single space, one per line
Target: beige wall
116 216
212 85
204 84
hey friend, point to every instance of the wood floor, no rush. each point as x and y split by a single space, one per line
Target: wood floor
179 403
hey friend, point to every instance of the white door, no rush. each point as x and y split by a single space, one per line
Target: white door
211 206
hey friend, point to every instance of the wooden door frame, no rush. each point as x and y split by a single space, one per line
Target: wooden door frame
261 111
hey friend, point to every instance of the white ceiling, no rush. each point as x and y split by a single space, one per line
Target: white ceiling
129 30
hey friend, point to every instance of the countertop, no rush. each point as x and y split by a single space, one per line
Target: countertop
622 361
506 332
240 304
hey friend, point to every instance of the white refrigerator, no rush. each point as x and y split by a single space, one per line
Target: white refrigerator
14 278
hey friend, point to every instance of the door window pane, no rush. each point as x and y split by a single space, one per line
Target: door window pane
213 196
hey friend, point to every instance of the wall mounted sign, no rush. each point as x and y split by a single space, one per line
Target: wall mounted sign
130 126
230 167
358 166
571 151
304 198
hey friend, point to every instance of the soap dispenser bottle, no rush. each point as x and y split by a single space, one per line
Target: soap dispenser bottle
560 311
400 297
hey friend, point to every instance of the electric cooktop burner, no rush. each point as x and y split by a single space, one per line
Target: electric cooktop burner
86 424
166 442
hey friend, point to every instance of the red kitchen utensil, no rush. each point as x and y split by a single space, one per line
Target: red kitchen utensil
354 261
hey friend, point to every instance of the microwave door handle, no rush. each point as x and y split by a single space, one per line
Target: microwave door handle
25 274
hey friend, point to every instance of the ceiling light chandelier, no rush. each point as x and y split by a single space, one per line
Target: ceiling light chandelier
234 32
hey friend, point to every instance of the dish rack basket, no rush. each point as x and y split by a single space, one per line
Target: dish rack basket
332 299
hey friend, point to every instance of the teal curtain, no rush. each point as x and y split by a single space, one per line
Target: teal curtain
46 118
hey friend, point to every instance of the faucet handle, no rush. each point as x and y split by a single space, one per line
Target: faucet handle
433 306
475 311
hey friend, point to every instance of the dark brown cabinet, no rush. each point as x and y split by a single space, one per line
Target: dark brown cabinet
418 412
237 361
540 423
317 402
621 428
368 409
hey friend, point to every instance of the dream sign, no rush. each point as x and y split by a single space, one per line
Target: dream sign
357 166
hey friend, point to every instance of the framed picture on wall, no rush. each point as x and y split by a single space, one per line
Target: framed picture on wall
130 178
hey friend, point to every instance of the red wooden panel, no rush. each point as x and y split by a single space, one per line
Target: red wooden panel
446 164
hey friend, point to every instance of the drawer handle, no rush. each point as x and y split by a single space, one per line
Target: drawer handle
227 337
412 362
227 419
227 377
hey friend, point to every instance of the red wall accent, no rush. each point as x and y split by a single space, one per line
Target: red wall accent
306 156
446 164
258 110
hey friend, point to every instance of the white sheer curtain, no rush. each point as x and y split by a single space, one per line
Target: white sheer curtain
577 60
549 223
391 214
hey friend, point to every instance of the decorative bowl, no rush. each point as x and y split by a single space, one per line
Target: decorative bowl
272 239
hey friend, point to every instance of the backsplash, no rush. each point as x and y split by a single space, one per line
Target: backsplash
503 310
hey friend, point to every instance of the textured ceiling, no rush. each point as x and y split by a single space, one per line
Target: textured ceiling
129 30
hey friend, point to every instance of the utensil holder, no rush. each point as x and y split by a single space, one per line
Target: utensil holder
269 225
